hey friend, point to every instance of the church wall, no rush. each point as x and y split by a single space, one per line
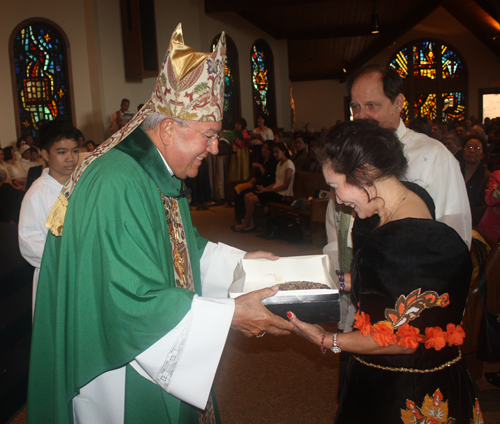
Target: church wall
94 31
317 102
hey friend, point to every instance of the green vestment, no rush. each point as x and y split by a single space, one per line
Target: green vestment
107 289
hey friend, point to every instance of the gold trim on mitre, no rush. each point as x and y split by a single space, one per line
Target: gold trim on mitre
184 58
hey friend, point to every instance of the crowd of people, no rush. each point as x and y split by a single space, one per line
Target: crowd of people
128 291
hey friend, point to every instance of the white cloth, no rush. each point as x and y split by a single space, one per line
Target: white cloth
185 360
35 208
280 177
266 133
433 167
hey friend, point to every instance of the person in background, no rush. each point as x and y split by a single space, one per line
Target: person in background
90 146
60 150
476 175
410 279
301 150
13 170
438 131
453 144
264 174
282 186
490 222
81 142
266 133
35 157
115 123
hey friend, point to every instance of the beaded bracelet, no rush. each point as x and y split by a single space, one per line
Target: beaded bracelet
321 348
341 277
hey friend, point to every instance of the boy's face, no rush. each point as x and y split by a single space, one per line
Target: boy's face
62 159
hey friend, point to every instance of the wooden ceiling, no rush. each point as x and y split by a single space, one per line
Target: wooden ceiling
324 37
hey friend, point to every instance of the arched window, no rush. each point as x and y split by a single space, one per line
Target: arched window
435 80
39 58
232 104
264 97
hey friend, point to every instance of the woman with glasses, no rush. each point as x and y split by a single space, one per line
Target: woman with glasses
476 175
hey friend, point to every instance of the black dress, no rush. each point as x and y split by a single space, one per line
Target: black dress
427 260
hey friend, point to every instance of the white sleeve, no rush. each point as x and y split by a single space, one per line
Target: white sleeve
450 197
185 360
32 231
217 266
332 248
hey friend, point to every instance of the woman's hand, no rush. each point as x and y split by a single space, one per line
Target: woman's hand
313 333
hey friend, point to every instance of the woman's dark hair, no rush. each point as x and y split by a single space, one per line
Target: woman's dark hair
472 136
263 116
8 153
18 142
363 151
242 122
270 144
282 146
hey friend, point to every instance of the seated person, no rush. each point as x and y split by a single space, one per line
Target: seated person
301 151
89 146
60 151
16 172
265 132
490 222
283 186
263 173
476 175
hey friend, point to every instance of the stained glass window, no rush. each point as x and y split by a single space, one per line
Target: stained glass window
434 80
231 84
453 106
424 60
41 72
453 66
400 63
262 81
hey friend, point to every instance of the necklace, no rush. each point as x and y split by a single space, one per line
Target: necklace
397 206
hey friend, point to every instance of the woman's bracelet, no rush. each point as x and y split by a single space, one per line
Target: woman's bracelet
341 277
321 348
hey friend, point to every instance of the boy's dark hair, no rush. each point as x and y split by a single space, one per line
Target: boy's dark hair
56 130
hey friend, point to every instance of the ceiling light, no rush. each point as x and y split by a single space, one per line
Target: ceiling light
375 29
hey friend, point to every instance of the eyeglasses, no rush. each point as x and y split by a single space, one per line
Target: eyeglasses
470 147
210 137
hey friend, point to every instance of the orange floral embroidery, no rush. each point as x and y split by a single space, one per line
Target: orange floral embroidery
454 335
433 411
362 323
436 338
383 334
408 336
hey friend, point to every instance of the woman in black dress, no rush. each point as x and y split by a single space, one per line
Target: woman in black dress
410 280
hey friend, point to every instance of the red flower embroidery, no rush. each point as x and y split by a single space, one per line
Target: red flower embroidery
383 334
454 335
362 323
408 336
435 338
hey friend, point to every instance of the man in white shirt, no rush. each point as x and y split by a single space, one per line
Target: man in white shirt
376 93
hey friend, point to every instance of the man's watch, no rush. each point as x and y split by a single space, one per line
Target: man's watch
335 348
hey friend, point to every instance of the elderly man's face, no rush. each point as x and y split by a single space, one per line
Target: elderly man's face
451 145
189 148
368 101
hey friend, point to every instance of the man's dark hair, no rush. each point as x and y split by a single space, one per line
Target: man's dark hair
391 80
56 130
363 152
125 100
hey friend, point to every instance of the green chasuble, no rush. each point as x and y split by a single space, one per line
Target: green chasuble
106 291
